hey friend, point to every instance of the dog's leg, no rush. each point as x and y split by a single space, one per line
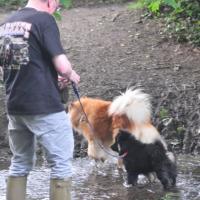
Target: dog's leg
164 178
92 150
151 177
96 152
120 164
132 178
173 180
172 174
169 174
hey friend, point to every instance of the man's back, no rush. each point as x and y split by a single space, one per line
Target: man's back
26 56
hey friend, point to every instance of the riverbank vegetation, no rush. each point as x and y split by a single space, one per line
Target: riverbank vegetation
182 17
10 3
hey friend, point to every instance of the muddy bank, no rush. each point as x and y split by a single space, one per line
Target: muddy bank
114 48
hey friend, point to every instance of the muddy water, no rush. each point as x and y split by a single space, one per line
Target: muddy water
93 181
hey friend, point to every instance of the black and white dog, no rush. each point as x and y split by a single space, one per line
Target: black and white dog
142 158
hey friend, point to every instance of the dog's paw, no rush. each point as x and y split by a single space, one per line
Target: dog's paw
125 184
152 177
142 180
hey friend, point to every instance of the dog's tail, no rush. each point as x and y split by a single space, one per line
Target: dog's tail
135 104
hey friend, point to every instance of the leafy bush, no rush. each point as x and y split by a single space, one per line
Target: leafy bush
163 113
182 17
18 3
66 3
12 2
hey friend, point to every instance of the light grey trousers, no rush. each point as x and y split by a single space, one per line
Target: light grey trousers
52 131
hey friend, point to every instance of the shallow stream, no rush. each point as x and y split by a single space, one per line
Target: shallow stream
93 181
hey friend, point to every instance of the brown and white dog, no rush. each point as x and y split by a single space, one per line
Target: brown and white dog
130 111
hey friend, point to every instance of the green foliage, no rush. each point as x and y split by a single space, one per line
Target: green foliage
173 3
57 15
182 17
140 4
18 3
12 2
180 129
66 3
136 5
163 114
154 6
168 196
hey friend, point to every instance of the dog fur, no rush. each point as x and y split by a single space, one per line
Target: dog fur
130 111
144 158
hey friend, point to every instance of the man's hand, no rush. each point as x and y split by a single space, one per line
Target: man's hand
74 77
63 82
64 69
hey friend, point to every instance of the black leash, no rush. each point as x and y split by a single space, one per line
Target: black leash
75 89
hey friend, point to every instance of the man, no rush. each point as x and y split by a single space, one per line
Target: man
32 57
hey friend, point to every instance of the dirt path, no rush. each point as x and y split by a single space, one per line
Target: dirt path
113 48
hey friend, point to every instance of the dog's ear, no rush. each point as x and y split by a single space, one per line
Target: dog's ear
123 135
114 146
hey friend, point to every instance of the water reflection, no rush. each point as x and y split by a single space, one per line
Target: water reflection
104 181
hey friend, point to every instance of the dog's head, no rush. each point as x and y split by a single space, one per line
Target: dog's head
123 139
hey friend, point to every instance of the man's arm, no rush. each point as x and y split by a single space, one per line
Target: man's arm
64 68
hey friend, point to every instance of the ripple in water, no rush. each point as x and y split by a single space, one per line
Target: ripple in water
103 181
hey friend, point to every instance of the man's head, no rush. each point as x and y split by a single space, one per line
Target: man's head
49 6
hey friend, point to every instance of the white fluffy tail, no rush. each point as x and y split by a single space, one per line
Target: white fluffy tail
135 104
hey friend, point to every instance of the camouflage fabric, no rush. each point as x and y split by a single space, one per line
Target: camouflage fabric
13 52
